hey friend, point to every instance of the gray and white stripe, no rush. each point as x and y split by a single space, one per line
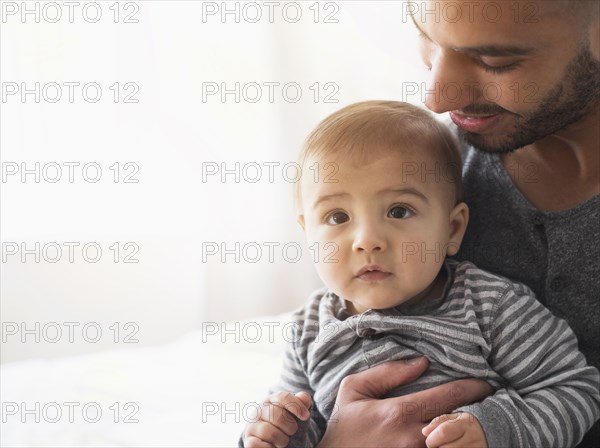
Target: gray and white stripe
485 326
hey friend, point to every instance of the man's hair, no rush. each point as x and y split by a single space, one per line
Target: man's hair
360 130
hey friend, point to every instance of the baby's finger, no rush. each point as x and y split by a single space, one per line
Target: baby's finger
279 417
437 422
448 429
255 442
282 410
291 403
266 432
305 398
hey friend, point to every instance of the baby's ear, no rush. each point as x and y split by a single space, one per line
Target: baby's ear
300 220
459 218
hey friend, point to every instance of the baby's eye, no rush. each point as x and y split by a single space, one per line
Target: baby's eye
337 218
399 212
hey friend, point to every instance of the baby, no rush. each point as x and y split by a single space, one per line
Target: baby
388 200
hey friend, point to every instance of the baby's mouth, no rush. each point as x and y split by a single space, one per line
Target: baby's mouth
372 273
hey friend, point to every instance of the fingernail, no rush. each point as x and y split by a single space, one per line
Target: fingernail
414 361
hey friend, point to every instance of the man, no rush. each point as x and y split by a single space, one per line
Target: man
521 80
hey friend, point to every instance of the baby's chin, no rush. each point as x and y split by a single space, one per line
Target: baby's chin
360 306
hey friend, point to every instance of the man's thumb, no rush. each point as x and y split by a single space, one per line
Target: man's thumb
379 380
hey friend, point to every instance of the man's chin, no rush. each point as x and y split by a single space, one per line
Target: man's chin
501 137
488 143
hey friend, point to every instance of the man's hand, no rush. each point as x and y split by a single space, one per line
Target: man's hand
360 418
277 420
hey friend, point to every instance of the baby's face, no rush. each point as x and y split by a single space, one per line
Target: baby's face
381 232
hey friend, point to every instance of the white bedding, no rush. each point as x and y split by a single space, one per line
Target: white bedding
192 392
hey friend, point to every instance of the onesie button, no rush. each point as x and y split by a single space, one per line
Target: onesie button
367 332
557 283
538 222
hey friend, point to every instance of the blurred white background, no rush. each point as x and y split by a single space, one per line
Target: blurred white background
170 127
114 283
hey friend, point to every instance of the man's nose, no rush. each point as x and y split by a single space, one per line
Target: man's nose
369 238
451 86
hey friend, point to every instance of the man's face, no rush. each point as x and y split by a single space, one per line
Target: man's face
381 230
509 73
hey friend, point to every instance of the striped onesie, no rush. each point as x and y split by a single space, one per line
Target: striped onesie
484 326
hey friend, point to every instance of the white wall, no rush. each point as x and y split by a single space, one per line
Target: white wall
170 214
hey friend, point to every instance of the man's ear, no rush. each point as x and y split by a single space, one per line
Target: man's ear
459 218
300 220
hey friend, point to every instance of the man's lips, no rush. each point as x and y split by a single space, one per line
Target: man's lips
474 123
372 273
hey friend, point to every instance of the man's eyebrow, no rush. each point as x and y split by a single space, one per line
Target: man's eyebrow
495 50
484 50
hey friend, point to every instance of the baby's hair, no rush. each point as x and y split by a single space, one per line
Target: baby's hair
357 130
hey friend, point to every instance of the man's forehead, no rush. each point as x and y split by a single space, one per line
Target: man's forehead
487 13
538 6
490 28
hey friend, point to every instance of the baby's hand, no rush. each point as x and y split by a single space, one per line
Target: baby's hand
276 422
460 430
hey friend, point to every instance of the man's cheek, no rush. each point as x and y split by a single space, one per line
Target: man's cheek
518 97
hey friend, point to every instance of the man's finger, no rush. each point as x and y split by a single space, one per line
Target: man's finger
377 381
445 398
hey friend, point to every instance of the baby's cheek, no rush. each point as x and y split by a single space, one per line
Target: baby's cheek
330 274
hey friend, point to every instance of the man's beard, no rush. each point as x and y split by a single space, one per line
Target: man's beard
567 103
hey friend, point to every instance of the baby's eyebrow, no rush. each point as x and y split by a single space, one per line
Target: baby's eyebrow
328 197
406 190
399 190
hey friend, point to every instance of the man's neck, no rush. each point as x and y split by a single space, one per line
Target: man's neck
562 170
